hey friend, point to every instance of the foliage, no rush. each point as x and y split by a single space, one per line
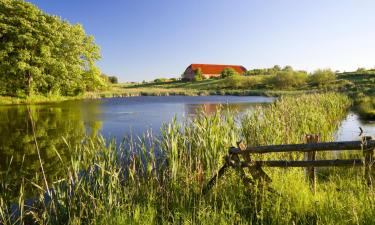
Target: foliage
113 79
198 75
228 72
288 79
41 54
365 106
266 71
287 68
234 81
160 80
321 77
109 79
243 82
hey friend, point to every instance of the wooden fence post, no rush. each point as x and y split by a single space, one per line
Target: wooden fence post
310 171
369 160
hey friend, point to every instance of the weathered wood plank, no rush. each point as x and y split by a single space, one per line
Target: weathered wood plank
317 163
309 147
311 156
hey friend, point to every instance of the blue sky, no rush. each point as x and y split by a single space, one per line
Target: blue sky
146 39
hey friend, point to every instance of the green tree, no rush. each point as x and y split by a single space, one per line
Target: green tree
228 72
321 77
288 79
113 79
198 75
42 54
160 80
288 68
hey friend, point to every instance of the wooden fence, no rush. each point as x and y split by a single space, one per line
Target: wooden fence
259 177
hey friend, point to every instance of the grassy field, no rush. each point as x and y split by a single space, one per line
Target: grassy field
158 180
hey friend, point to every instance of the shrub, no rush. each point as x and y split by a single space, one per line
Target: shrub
198 75
288 79
365 106
228 72
321 77
160 80
234 81
113 79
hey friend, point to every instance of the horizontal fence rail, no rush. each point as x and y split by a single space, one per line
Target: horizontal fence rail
309 147
254 167
319 163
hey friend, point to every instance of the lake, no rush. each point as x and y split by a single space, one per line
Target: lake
59 124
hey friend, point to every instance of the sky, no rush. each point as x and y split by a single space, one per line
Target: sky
147 39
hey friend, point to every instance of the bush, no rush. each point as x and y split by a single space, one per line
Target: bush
234 81
160 80
228 72
321 77
113 79
198 75
288 79
243 82
365 106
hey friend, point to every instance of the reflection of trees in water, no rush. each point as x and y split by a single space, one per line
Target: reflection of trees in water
53 124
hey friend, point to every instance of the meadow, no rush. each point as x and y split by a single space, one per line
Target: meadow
159 180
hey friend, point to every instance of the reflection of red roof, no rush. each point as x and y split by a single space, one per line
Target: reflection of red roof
216 69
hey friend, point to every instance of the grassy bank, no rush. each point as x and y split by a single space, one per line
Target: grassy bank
121 90
362 91
38 99
159 181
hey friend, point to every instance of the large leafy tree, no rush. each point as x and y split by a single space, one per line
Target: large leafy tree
42 54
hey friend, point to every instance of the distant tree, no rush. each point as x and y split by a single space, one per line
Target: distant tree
161 80
234 81
228 72
41 54
288 79
276 67
113 79
198 75
265 71
288 68
361 70
321 77
254 72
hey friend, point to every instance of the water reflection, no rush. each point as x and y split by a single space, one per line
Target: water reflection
55 128
209 108
349 128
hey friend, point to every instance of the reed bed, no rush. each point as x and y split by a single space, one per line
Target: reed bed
158 180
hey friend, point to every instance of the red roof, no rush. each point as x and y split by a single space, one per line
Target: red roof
217 69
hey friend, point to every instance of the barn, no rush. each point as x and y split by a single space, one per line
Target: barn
210 70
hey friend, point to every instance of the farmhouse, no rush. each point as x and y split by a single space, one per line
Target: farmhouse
210 70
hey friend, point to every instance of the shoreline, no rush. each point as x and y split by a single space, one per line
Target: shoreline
38 99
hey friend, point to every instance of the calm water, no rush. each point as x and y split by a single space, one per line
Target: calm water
349 129
117 117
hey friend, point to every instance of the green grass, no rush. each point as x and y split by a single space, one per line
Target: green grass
158 180
36 99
